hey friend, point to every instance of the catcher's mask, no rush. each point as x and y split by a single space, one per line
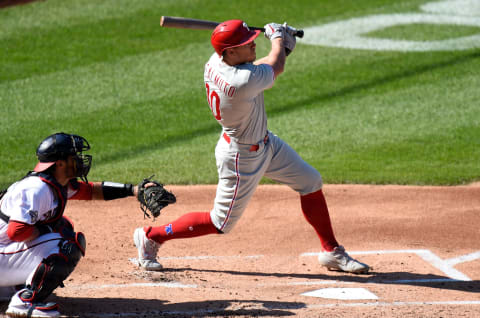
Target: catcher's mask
61 145
232 33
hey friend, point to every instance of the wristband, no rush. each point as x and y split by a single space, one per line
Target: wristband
113 190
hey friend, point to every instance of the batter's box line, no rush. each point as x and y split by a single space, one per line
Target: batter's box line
207 257
446 266
110 286
337 282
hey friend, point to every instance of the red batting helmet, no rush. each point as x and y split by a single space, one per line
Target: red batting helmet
232 33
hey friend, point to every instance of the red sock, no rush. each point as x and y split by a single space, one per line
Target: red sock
189 225
315 210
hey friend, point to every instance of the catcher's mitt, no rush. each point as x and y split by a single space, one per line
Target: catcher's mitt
153 198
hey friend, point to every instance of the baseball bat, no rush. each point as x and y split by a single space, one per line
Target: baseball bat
187 23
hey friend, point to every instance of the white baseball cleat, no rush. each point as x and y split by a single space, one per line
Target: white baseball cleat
19 308
338 259
147 251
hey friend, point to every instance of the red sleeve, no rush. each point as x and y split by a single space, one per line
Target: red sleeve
18 231
84 191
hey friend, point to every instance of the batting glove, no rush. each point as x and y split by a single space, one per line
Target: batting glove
289 40
274 30
289 29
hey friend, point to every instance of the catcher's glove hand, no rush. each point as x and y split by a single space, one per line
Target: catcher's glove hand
153 198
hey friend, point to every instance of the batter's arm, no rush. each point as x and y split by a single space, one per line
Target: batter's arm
276 58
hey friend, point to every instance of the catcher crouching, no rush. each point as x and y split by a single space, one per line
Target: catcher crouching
39 245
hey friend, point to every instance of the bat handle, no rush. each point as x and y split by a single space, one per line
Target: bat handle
298 33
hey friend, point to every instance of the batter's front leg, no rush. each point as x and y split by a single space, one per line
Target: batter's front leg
239 175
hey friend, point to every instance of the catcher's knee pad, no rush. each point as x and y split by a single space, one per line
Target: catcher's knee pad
74 248
54 269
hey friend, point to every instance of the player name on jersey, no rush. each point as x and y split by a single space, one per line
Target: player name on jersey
223 85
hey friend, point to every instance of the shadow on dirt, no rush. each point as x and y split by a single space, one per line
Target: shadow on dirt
131 307
391 278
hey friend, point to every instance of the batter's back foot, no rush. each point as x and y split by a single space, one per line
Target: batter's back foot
338 259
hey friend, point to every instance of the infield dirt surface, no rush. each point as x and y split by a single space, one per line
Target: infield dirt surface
422 242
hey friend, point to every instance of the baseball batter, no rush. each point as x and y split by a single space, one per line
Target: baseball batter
39 248
247 150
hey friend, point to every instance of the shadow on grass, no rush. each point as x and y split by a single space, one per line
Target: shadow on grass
283 109
11 3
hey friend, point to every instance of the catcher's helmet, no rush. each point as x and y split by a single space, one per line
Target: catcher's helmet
232 33
61 145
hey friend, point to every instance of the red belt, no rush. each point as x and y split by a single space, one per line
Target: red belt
253 147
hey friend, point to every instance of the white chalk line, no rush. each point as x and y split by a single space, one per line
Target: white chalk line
135 262
443 265
464 258
337 282
424 254
299 283
284 306
110 286
398 303
446 266
202 257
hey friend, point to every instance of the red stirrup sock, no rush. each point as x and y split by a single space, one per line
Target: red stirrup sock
315 210
188 225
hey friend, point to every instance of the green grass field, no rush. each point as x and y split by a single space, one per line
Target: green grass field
106 70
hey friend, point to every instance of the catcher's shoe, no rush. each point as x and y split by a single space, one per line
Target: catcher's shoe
147 251
338 259
19 308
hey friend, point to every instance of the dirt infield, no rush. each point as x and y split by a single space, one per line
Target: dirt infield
423 244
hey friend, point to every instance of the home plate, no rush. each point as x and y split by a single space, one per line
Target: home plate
342 293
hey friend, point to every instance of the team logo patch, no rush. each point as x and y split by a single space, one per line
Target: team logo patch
168 229
33 216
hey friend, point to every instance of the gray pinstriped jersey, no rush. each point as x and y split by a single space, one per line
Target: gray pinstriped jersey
235 96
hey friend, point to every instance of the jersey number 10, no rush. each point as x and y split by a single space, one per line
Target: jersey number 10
213 99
